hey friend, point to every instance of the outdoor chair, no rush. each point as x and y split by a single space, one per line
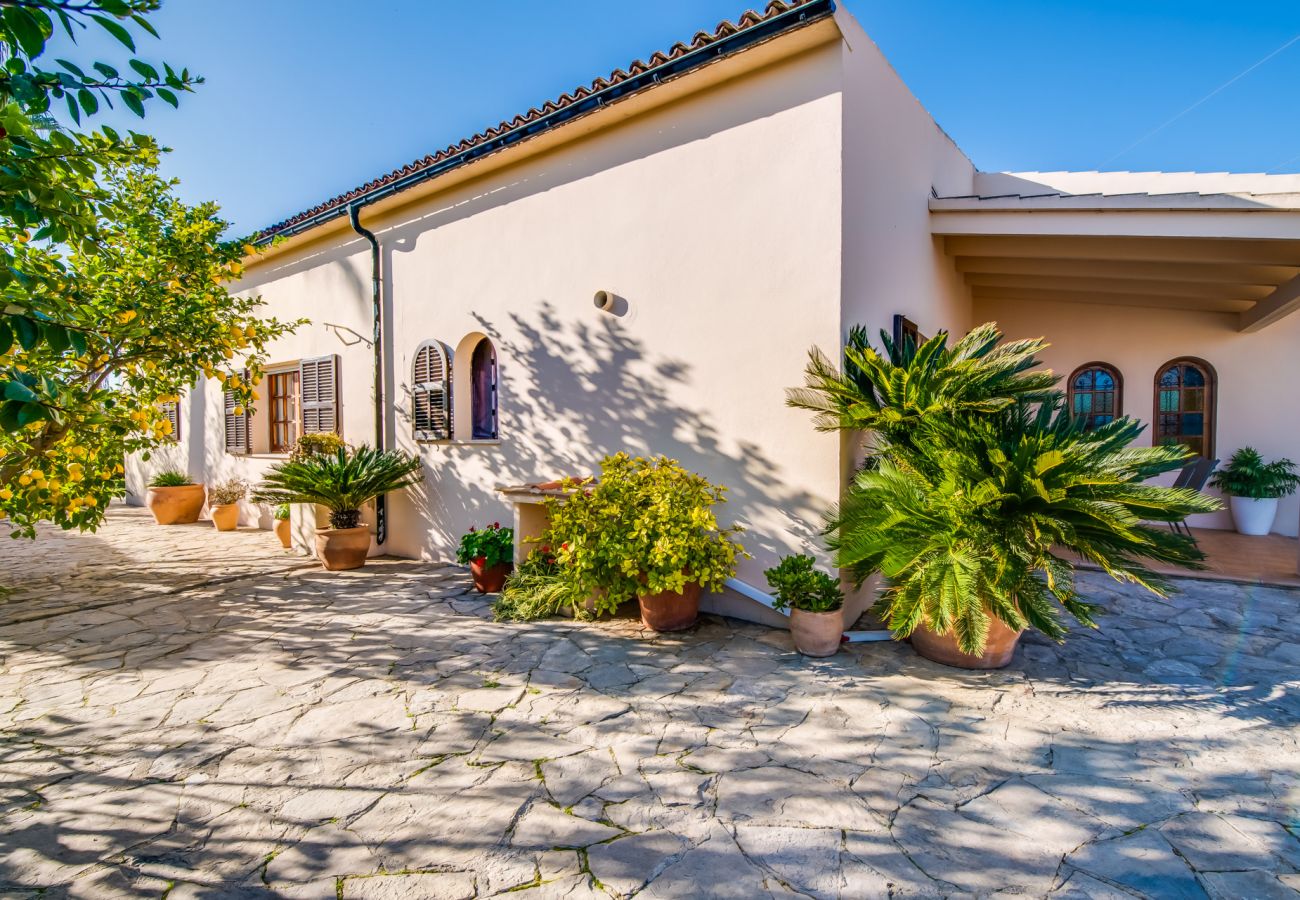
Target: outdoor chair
1194 476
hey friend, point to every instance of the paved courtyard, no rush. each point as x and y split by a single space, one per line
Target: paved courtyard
198 715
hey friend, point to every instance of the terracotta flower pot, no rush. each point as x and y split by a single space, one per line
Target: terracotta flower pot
670 610
175 505
226 518
942 648
342 548
284 531
488 579
817 633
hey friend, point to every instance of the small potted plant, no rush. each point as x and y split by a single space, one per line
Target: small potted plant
283 530
815 602
223 502
489 553
1253 487
174 499
647 529
342 482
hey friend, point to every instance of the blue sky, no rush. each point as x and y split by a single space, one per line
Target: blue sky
304 100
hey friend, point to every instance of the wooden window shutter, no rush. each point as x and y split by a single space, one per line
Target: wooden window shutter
319 384
236 426
172 410
431 393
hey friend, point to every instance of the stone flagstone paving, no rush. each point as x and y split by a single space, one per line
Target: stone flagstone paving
172 727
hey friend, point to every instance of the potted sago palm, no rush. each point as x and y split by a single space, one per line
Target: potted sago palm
223 502
174 499
815 602
342 482
982 491
489 553
1254 487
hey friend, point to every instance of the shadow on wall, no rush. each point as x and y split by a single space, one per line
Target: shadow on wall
573 392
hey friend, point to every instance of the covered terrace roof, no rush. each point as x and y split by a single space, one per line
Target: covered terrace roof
1216 242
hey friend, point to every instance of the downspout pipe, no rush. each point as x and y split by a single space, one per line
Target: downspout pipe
377 308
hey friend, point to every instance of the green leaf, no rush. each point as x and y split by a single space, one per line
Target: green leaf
78 342
6 336
146 71
28 333
116 30
26 29
88 101
144 23
16 390
73 109
32 412
73 68
168 96
106 70
9 415
56 336
132 99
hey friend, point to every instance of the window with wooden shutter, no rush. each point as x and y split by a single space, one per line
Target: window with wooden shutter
319 382
171 410
431 393
236 425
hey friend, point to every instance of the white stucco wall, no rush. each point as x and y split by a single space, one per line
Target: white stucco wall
894 156
715 218
1253 369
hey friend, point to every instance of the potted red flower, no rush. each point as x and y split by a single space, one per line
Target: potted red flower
489 553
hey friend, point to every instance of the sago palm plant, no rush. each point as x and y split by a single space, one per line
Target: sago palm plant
985 517
983 491
888 393
342 481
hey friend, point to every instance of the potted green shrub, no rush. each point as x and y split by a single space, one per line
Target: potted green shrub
223 502
646 529
283 529
982 490
1253 488
174 499
342 482
489 553
815 601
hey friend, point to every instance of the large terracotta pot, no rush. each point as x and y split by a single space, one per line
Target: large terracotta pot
488 579
670 610
175 505
817 633
226 518
342 548
942 648
284 531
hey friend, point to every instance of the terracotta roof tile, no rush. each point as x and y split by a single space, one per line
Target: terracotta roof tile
748 20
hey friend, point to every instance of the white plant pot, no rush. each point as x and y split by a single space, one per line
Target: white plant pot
1253 516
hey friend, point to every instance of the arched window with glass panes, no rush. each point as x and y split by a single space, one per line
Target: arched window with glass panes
431 392
1184 407
1096 394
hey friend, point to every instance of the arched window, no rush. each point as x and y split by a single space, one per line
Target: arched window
1096 394
1184 408
483 391
431 393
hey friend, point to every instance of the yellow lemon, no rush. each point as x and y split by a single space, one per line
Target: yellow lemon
6 494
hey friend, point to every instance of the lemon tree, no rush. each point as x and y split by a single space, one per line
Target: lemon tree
129 325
